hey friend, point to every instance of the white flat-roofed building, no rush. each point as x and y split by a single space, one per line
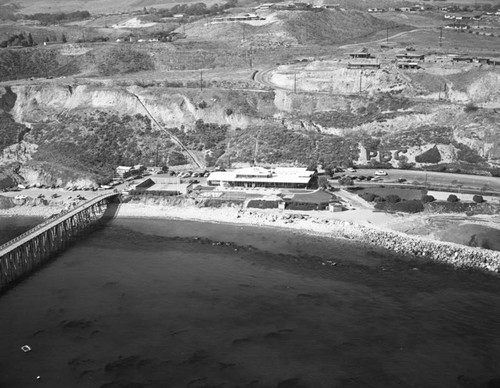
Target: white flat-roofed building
280 177
163 186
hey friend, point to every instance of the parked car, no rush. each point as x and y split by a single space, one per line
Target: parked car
351 169
380 173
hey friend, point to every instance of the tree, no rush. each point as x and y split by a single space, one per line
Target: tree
393 198
478 198
428 198
346 181
45 60
63 38
452 198
31 43
322 182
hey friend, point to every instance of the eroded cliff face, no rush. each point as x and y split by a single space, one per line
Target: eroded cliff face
37 103
399 122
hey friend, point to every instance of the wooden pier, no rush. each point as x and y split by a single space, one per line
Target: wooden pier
23 254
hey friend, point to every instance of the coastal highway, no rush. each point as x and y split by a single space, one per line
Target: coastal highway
457 181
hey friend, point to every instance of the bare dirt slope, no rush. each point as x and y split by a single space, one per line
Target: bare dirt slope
93 6
292 27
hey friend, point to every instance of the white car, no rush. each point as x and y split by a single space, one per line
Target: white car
380 173
350 169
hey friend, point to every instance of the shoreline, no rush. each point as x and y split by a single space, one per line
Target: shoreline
388 231
373 234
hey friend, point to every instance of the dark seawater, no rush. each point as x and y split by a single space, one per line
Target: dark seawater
11 227
152 303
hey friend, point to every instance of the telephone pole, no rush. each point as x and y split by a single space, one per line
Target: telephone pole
295 83
440 36
201 80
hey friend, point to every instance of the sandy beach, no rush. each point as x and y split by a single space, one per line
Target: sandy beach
365 226
421 235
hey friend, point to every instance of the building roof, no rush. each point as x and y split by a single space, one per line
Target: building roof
172 187
259 174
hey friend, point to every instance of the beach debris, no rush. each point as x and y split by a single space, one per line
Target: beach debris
25 348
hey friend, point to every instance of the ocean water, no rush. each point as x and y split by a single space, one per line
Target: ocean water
156 303
11 227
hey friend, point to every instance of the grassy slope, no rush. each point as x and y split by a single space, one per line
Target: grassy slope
93 6
329 27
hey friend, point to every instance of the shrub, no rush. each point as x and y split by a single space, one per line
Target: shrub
323 182
452 198
346 181
470 107
428 198
412 206
478 198
177 158
393 198
260 204
432 155
370 197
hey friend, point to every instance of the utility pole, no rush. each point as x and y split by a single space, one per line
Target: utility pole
156 161
440 36
295 83
201 80
256 149
387 37
360 79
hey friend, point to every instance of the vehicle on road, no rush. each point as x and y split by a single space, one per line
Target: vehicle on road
380 173
350 169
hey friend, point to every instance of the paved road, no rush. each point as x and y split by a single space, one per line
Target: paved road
457 181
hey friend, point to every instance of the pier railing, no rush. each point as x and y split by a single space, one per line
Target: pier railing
27 251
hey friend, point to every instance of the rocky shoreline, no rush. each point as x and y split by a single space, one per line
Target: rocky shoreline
457 255
348 225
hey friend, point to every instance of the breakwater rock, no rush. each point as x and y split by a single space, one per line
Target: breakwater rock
459 256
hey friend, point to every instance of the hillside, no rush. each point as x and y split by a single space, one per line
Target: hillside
292 27
95 6
81 133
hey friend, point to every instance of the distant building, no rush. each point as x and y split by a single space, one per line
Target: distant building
363 65
410 57
408 65
162 186
251 177
462 59
156 169
124 171
361 54
127 171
